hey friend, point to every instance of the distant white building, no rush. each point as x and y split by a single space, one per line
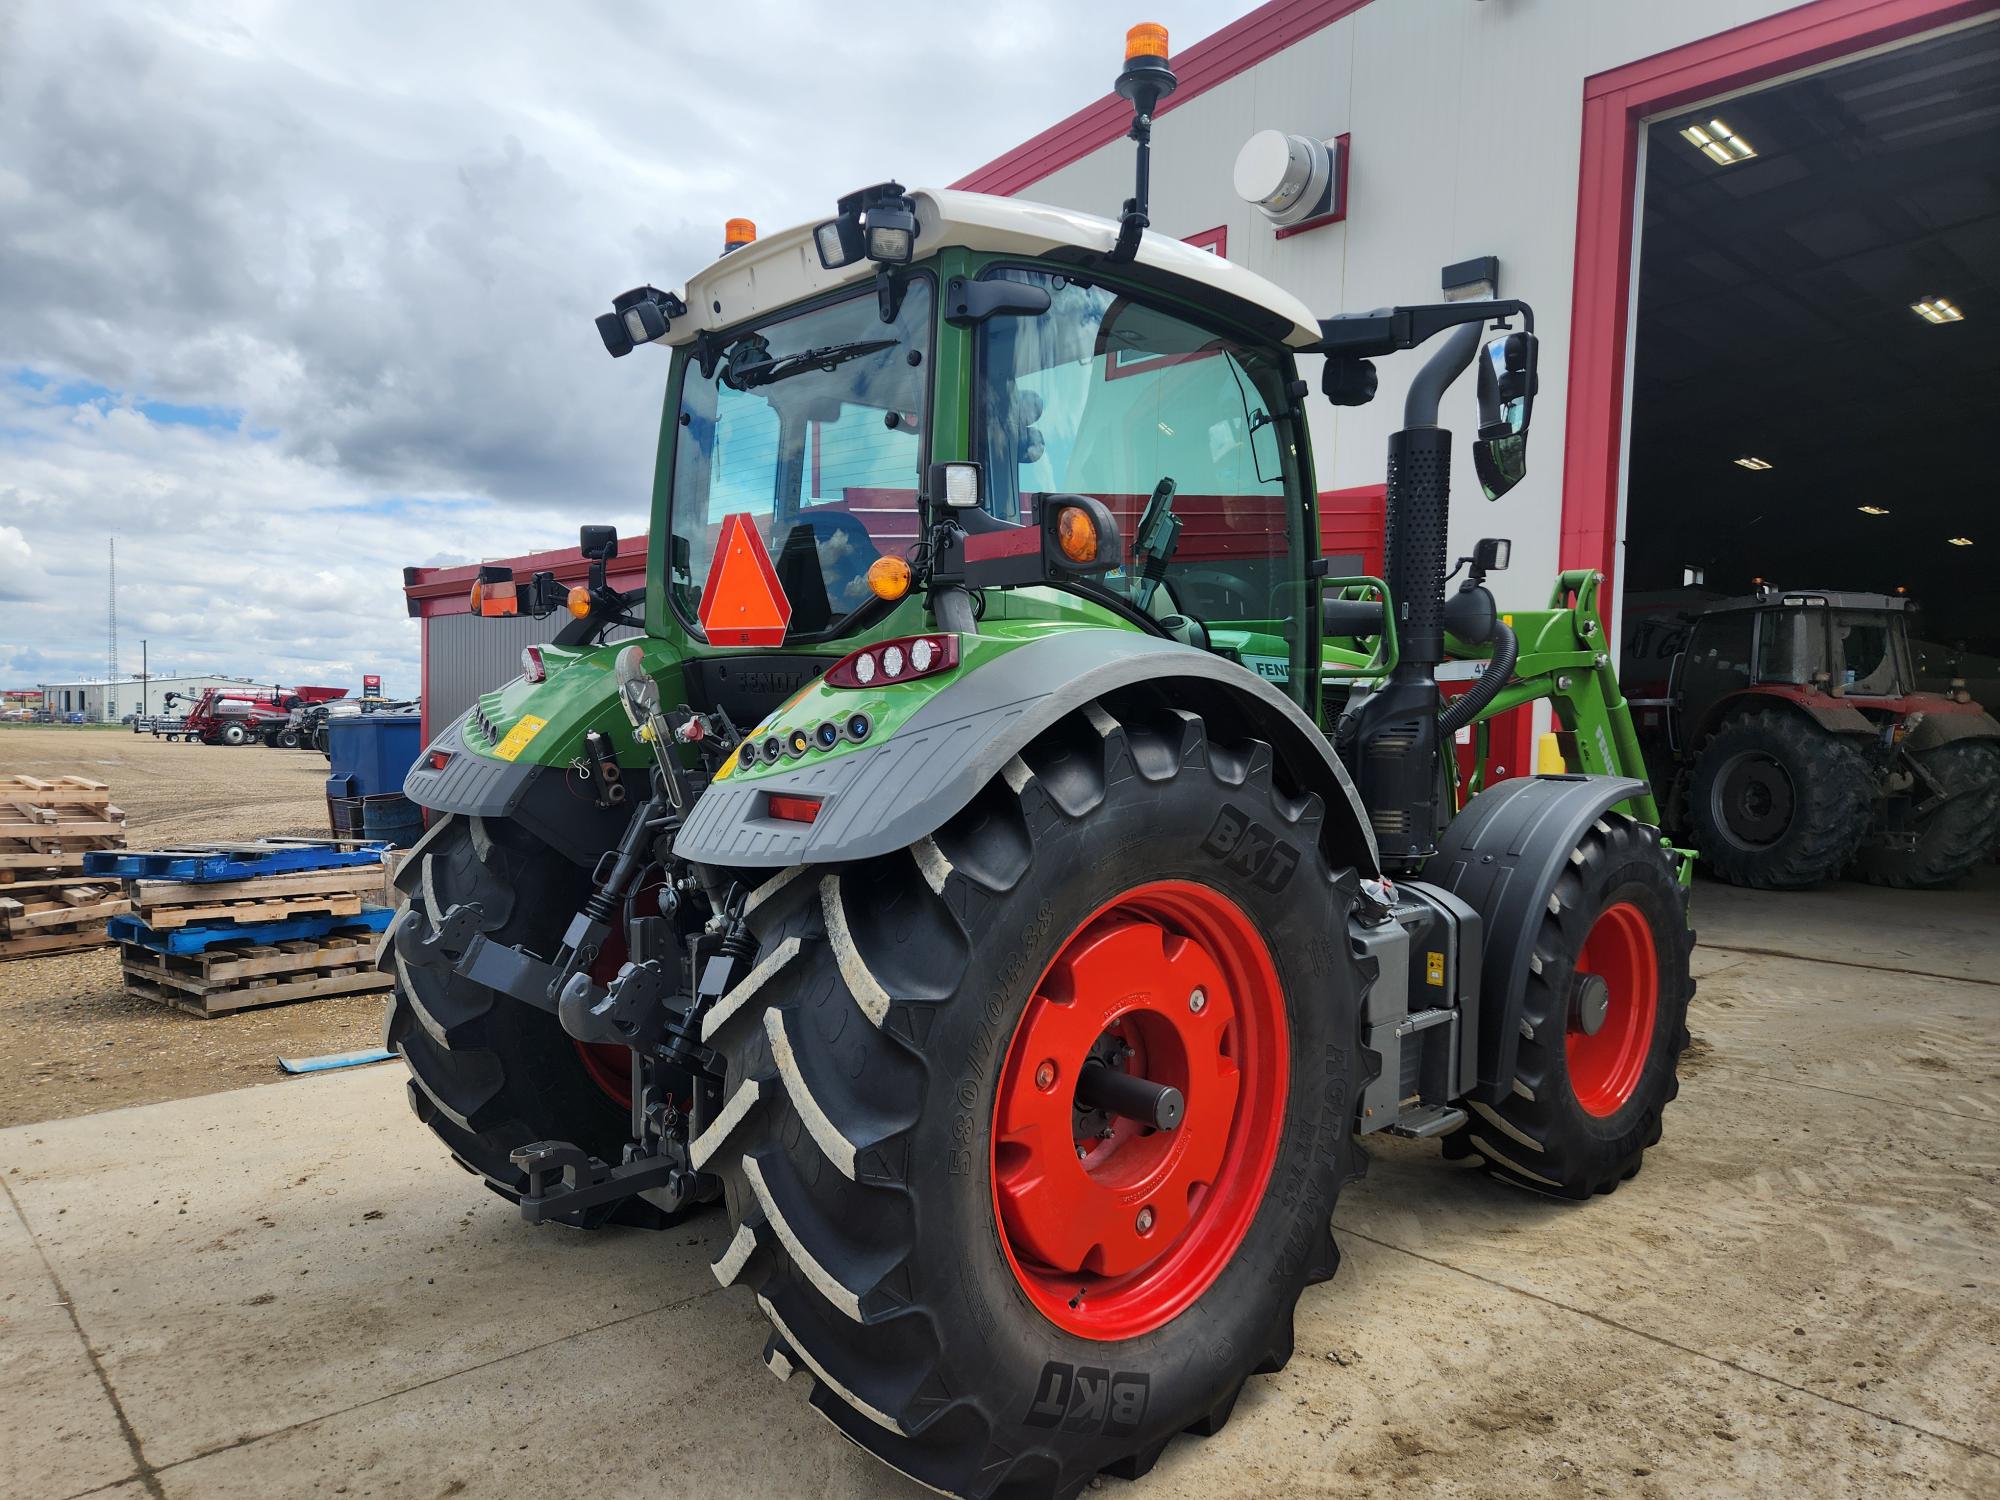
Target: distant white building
101 701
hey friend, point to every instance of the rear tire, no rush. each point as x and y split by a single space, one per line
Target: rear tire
1954 837
870 1053
1583 1107
232 734
488 1073
287 739
1777 802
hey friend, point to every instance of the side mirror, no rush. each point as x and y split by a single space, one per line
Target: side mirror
597 542
1507 385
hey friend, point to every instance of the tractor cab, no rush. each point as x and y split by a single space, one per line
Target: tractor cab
1849 647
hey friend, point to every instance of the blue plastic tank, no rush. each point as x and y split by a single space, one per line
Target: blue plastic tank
371 753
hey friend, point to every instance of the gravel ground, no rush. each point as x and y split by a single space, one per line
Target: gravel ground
71 1040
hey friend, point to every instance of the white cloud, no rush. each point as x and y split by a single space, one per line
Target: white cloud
368 240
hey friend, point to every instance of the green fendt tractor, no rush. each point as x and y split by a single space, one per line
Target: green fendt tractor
1007 872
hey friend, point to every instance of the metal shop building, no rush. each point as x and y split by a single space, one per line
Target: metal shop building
463 654
100 701
1759 239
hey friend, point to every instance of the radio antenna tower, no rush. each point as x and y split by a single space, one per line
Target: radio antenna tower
111 680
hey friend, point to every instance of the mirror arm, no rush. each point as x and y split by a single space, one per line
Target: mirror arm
1371 335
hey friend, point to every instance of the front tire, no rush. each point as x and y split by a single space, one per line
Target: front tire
1777 802
904 1212
232 734
1603 1023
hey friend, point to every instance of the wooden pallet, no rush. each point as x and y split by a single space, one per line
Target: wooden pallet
46 827
58 918
168 905
244 975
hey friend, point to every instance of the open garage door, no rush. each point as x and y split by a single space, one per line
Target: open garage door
1816 378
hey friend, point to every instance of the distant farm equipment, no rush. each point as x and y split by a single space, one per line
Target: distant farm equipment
228 717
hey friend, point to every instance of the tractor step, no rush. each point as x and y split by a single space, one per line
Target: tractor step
1432 1119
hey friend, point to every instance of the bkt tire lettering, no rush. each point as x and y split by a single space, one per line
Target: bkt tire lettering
1089 1399
1252 850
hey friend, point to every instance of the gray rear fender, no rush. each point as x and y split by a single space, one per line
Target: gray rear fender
889 795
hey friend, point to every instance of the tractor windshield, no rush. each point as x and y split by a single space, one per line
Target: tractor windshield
1182 432
812 426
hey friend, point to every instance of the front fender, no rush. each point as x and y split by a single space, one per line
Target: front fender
883 797
1501 856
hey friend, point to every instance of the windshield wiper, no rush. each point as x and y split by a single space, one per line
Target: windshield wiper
766 370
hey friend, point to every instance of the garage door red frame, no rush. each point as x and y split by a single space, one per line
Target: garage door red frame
1614 104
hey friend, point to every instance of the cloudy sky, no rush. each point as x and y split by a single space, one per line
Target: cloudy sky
295 294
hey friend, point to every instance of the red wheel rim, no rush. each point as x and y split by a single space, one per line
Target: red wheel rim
1113 1235
1604 1069
609 1067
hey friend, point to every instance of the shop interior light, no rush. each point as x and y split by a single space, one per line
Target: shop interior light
1873 510
1718 143
1937 310
1755 465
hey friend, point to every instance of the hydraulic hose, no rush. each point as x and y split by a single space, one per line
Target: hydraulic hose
1463 709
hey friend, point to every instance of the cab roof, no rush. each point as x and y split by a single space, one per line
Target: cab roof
1771 597
782 268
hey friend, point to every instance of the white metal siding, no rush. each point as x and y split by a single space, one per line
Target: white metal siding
1466 123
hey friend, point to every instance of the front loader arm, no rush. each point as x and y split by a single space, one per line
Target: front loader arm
1565 659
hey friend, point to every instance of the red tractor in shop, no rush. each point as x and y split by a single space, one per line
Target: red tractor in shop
1791 741
224 717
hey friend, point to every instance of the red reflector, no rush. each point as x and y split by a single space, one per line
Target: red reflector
792 809
440 759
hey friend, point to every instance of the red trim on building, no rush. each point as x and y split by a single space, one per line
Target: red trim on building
1215 240
1614 104
1265 32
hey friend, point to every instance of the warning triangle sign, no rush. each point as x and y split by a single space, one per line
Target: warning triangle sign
742 604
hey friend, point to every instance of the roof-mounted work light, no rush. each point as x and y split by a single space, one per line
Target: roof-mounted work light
639 316
879 222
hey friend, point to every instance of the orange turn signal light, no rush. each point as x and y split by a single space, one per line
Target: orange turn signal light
578 601
889 577
1076 534
1147 39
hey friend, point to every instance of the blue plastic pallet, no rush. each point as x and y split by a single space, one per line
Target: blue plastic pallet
227 862
201 939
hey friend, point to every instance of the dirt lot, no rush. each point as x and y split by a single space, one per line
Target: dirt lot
71 1041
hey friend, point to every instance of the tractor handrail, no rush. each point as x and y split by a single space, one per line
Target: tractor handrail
1339 665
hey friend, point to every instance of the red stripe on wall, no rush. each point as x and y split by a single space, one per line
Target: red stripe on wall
1243 44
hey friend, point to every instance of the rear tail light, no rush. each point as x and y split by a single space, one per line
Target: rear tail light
792 809
439 759
901 660
532 666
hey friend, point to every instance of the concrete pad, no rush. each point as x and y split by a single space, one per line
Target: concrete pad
60 1434
251 1260
294 1292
